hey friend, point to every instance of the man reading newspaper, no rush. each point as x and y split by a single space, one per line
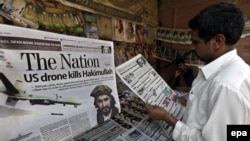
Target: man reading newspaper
220 93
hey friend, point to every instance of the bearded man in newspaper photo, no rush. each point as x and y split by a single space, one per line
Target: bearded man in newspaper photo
104 102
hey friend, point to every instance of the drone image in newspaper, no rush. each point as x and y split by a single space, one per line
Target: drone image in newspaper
15 94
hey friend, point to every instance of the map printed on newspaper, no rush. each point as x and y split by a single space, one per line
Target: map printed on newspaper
147 84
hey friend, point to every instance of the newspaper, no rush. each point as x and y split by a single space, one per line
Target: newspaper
148 85
131 124
45 83
147 130
110 130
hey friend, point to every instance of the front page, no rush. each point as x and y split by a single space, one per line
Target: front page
48 81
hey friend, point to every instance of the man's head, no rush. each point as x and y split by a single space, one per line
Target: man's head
180 63
216 29
104 101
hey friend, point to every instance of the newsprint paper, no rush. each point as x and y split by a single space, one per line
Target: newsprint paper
150 87
131 124
45 83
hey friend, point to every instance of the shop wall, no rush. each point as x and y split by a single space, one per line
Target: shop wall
177 15
129 24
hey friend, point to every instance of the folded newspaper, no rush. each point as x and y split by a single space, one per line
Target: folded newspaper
147 84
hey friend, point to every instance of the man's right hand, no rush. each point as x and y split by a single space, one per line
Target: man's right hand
158 113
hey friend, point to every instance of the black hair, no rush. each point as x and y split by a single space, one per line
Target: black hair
180 60
221 18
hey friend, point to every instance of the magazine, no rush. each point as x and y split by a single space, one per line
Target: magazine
150 87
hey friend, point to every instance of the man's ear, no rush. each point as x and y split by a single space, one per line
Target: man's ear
219 41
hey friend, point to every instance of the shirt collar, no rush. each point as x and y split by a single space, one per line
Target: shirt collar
215 65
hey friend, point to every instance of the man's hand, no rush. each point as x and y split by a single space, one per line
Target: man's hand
177 73
158 113
183 101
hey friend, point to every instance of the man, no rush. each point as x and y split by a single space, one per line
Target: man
104 102
183 79
220 94
183 76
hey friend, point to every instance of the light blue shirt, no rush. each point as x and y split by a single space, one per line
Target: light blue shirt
220 96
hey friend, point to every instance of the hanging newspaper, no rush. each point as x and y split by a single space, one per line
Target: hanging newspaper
51 85
144 81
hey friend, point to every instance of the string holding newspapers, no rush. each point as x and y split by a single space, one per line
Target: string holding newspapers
147 84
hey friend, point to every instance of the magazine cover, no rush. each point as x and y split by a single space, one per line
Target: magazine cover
119 29
130 32
53 86
104 25
90 27
140 38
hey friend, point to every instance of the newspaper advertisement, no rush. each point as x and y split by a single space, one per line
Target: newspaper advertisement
148 85
51 84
